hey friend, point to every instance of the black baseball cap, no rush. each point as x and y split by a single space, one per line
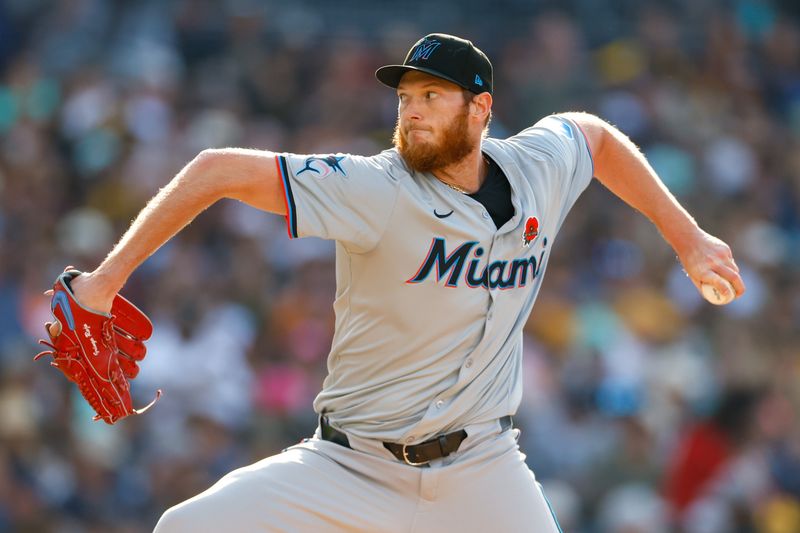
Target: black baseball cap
444 56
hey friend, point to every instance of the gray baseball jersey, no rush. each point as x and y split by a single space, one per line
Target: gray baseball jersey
431 297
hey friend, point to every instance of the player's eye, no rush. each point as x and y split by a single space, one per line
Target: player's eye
430 95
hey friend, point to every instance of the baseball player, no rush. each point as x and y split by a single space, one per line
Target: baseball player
441 246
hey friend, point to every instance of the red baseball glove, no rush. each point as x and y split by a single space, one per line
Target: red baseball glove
97 351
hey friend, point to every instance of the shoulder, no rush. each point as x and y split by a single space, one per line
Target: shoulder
391 162
551 135
548 128
387 163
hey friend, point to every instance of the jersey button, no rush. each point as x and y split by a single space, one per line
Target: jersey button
485 214
469 363
409 440
439 404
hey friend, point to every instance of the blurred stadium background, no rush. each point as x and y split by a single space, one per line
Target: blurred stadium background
646 410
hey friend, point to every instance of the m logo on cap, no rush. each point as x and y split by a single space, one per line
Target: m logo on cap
425 49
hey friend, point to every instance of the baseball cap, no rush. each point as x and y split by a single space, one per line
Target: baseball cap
444 56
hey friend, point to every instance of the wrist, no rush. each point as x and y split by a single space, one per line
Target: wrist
91 293
681 235
106 281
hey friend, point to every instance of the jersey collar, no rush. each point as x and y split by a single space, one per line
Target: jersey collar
494 150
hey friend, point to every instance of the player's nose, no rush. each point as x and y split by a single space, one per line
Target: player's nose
410 110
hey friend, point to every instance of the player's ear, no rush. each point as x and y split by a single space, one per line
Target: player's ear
481 105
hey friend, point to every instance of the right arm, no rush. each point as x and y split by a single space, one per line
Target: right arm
250 176
623 169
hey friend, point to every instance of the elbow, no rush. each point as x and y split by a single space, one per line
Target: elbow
203 173
249 176
207 162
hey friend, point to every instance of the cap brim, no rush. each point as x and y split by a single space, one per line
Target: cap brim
390 75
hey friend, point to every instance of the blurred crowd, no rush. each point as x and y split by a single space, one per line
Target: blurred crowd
646 409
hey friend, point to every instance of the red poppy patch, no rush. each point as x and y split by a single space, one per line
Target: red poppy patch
531 231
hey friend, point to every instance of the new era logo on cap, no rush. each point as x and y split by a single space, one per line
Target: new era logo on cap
445 56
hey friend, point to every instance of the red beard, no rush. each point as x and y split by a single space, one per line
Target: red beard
453 146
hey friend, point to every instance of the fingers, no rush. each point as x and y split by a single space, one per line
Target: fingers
711 262
53 329
734 265
717 290
726 281
730 275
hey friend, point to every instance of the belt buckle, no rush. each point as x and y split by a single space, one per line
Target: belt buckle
408 461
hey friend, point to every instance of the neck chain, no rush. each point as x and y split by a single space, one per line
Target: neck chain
455 187
460 189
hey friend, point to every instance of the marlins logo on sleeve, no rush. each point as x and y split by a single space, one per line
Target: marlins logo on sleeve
339 196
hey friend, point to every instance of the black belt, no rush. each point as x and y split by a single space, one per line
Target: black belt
417 455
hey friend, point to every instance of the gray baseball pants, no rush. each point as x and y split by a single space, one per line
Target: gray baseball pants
319 486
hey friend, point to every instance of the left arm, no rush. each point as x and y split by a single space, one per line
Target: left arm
623 169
